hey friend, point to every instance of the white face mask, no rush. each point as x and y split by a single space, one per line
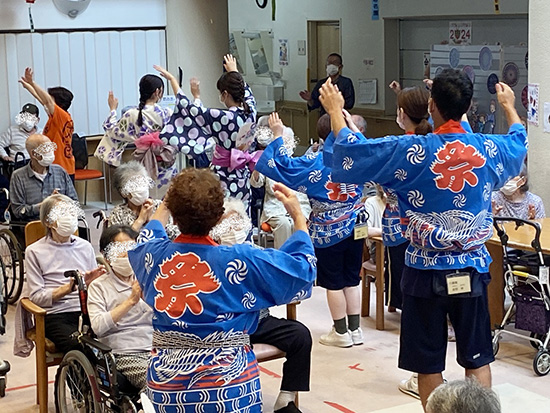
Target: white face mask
332 70
509 187
121 266
233 237
47 159
66 225
28 125
139 196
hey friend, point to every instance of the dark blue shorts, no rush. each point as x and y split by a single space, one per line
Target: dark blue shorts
423 340
338 266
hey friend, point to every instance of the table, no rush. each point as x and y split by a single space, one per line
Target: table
519 239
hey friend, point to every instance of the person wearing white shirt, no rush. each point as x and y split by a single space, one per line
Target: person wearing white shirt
119 316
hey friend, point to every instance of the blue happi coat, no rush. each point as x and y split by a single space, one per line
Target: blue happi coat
443 183
206 299
334 206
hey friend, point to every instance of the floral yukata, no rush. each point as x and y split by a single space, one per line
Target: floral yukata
206 301
118 134
192 125
443 182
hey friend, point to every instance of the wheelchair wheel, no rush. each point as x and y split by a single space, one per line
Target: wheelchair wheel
541 363
75 385
12 257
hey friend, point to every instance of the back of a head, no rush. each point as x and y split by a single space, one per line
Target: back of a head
195 200
109 234
360 122
463 396
452 92
148 85
126 171
63 97
233 83
414 102
323 126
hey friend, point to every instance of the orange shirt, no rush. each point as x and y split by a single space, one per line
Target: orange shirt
60 130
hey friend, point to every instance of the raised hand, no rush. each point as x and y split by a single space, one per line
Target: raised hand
350 122
505 94
195 87
230 63
163 72
531 211
291 204
429 83
28 76
306 95
395 86
331 98
112 101
276 124
136 293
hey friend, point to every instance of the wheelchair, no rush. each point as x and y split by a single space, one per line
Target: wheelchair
87 379
11 253
4 365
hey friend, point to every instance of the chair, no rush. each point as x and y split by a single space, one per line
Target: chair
267 352
45 352
85 174
367 274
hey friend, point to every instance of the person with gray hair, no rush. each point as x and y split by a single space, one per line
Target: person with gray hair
31 184
132 182
360 122
46 261
463 396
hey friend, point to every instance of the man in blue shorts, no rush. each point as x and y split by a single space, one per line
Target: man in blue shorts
443 182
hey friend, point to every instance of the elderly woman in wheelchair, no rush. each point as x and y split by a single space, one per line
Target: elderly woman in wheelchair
118 315
46 262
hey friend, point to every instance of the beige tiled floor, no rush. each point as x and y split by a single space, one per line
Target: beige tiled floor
356 380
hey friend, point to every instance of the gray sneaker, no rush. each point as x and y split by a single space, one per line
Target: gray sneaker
337 340
410 386
357 336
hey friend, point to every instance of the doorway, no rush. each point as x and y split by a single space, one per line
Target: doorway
323 39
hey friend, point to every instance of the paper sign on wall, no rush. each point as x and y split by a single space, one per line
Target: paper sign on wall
367 91
460 32
283 52
533 108
375 10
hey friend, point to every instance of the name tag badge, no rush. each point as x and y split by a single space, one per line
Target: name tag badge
543 275
458 283
360 231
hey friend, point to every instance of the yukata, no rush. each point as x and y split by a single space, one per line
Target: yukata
192 125
443 182
206 300
334 208
118 134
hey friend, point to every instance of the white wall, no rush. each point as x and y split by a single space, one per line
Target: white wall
539 65
361 36
197 39
99 14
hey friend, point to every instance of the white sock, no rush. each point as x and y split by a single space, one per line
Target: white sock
284 398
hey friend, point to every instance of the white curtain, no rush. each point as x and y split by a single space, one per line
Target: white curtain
89 64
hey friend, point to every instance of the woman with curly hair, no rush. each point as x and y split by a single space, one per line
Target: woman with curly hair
206 298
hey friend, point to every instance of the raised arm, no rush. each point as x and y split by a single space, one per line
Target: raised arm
27 80
506 99
170 77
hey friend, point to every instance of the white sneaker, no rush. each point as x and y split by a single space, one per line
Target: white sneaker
410 386
337 340
357 336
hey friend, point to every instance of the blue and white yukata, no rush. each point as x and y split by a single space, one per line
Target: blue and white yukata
192 124
334 206
206 300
